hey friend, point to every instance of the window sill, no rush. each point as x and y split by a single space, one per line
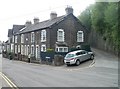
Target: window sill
43 41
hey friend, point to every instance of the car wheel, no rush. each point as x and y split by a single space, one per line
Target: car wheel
92 57
78 62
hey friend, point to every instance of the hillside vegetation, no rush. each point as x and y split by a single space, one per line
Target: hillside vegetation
103 17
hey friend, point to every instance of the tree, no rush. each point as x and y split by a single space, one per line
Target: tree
98 16
104 17
111 22
85 17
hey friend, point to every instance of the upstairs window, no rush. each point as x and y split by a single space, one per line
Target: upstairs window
60 35
15 39
43 35
32 37
80 36
22 38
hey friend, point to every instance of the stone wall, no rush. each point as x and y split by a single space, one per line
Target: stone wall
97 41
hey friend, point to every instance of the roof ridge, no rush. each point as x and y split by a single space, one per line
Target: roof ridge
42 24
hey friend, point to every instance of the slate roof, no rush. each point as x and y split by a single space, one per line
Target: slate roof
17 28
42 25
10 32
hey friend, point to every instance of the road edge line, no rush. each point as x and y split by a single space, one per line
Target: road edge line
11 84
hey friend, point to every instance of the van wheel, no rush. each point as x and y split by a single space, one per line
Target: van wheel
77 62
92 57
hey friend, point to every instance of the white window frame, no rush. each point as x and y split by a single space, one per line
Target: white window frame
18 48
8 48
37 51
42 48
22 49
28 47
80 38
43 35
15 49
12 47
60 37
9 39
22 38
25 53
13 38
63 49
16 39
32 37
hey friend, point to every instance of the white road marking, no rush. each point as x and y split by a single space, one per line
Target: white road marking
9 82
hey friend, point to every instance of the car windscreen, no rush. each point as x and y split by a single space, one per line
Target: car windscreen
69 55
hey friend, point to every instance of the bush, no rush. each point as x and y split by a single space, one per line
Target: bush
50 50
85 47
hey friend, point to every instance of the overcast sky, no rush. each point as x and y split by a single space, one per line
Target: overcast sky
19 11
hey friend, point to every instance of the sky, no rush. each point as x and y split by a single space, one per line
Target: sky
20 11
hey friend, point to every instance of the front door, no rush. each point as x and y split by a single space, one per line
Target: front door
37 52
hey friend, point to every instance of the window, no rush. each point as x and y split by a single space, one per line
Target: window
37 52
22 49
15 39
7 48
18 48
43 48
9 39
61 49
32 49
60 35
15 49
79 53
12 47
22 38
43 35
80 36
32 37
70 55
27 50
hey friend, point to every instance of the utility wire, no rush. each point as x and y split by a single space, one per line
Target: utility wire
32 13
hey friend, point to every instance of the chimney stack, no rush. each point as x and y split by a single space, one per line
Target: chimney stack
36 20
28 23
53 15
69 10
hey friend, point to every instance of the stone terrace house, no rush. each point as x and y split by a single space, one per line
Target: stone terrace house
11 33
57 33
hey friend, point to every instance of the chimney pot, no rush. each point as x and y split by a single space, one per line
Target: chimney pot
69 10
28 23
53 15
36 20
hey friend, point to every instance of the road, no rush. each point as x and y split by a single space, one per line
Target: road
103 73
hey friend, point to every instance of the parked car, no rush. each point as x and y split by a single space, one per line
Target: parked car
76 57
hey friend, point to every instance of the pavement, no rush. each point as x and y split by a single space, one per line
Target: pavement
102 72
